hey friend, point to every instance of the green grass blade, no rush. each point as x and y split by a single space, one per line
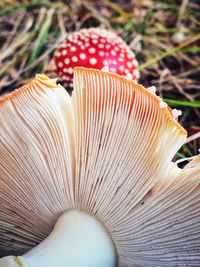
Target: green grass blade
186 148
42 36
180 155
180 103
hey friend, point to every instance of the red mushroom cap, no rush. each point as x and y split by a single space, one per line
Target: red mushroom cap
94 48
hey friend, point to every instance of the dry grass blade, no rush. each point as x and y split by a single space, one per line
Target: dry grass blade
193 137
170 52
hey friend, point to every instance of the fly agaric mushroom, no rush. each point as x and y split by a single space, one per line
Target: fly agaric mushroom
99 164
94 48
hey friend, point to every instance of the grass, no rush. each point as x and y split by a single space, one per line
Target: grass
32 30
42 35
180 103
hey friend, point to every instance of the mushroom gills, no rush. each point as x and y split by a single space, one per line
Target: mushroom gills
107 151
77 239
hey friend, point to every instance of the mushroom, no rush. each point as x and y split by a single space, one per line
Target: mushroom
99 167
94 48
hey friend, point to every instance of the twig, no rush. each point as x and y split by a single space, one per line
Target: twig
192 137
181 13
179 87
12 33
18 41
170 52
61 24
13 61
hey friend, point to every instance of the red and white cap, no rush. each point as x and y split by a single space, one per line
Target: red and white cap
95 48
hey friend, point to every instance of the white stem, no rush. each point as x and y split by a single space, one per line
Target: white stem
77 240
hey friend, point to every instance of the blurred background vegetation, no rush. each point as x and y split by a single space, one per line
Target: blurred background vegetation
165 36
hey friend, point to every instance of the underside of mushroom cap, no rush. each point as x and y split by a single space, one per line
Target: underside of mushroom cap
106 151
165 230
37 162
123 137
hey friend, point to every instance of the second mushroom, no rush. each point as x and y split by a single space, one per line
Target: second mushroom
94 48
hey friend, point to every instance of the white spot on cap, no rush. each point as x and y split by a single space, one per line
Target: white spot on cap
70 38
87 44
121 45
120 59
82 37
107 46
113 69
93 61
101 53
64 52
113 53
60 64
163 104
129 65
74 59
176 113
70 70
82 56
105 68
65 69
57 54
75 36
136 73
95 41
152 89
105 62
64 45
129 76
73 49
101 46
92 50
67 61
82 47
116 48
129 55
135 63
121 68
93 36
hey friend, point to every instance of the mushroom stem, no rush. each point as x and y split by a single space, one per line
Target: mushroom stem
77 239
